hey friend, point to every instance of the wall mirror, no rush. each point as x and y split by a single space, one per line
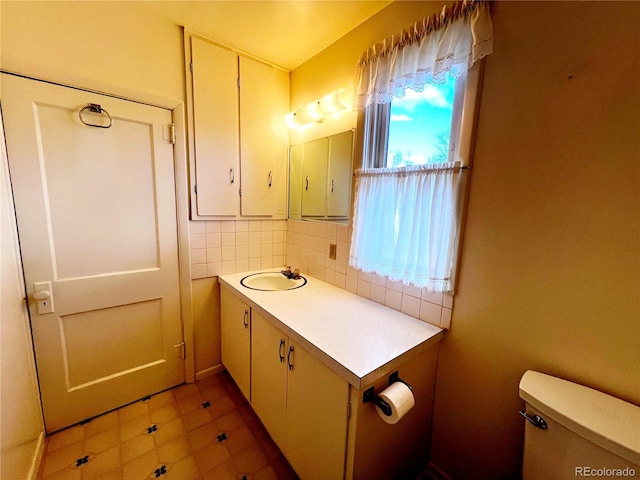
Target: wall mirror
320 178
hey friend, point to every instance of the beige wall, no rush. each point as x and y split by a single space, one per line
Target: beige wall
115 47
21 426
550 267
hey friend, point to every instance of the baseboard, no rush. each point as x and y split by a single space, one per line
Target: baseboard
38 456
437 472
208 372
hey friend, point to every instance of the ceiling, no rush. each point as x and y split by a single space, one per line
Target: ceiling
285 33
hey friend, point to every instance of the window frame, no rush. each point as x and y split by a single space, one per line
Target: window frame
469 106
456 119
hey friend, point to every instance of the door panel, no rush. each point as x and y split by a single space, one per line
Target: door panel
77 215
142 347
96 212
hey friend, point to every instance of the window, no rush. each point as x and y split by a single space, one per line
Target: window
418 96
420 125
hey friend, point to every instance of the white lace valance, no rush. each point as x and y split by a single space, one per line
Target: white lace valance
445 44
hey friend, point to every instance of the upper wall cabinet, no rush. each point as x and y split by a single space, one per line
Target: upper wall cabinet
238 141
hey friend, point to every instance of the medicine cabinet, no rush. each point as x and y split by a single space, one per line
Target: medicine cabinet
320 178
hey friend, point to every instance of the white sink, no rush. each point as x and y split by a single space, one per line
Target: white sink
271 282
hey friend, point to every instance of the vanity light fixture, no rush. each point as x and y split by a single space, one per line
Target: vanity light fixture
318 110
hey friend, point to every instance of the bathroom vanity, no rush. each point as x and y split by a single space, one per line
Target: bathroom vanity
304 358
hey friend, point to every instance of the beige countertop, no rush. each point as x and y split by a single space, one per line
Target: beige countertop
357 338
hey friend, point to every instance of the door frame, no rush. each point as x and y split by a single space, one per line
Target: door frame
177 109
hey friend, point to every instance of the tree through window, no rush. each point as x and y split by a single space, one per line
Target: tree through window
420 126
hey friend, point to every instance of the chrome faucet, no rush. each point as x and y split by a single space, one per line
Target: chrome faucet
292 274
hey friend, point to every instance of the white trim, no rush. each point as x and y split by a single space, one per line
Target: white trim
38 456
464 151
184 248
209 372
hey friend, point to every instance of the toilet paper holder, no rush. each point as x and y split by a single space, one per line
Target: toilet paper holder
370 396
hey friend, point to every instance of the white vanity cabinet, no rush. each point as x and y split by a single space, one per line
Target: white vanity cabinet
238 145
302 403
313 353
235 333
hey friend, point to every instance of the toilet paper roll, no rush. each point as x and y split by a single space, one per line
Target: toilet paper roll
401 400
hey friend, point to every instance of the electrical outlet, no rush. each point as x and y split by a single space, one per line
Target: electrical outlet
332 250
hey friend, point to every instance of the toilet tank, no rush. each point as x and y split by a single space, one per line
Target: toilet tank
588 433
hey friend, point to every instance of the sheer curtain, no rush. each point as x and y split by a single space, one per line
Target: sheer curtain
406 220
407 229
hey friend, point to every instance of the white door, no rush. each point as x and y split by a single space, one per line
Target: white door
96 213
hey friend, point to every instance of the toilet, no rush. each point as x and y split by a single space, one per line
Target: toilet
572 431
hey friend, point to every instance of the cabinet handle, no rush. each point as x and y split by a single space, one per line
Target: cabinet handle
333 184
245 319
289 363
306 185
232 174
281 350
270 179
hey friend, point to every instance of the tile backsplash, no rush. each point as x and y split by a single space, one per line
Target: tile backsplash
229 246
307 248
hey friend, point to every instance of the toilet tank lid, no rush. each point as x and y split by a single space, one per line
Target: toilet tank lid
609 422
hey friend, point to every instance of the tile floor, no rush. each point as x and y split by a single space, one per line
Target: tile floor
204 431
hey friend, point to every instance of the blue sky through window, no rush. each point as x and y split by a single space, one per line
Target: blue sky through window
420 125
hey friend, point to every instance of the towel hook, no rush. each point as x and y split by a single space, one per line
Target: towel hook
95 108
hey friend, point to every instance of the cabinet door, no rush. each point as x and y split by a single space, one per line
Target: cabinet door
296 158
269 377
339 181
317 400
257 106
215 122
235 332
314 178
